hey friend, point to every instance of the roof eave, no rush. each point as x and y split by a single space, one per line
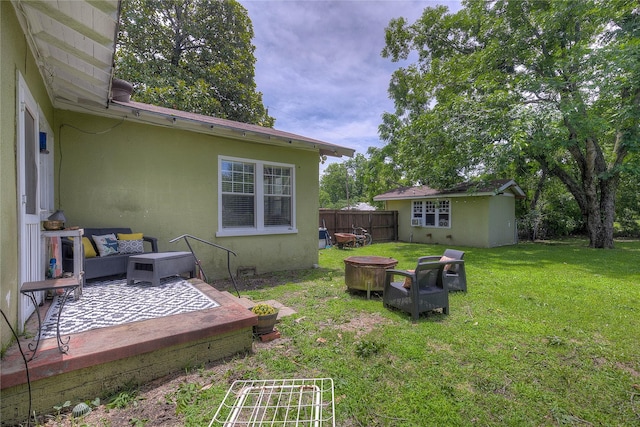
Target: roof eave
433 196
514 188
509 189
128 112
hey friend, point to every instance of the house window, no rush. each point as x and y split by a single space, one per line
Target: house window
238 194
417 219
255 197
431 213
443 213
277 195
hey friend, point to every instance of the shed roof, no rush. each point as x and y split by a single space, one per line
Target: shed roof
483 188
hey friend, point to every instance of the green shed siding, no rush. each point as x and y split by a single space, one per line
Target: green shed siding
502 221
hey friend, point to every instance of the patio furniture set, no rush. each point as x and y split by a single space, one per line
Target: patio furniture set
80 255
422 289
97 263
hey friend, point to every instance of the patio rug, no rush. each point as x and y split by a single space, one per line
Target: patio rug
113 302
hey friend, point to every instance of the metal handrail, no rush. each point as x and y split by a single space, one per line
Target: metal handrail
229 251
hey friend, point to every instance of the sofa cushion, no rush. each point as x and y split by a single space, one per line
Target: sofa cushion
90 232
89 249
130 236
107 244
130 246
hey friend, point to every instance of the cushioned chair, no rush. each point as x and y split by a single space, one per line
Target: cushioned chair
456 276
422 289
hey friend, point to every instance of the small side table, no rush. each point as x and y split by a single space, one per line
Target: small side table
154 266
29 289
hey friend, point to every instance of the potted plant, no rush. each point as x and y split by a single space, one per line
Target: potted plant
267 316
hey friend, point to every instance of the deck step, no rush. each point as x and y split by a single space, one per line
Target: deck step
245 302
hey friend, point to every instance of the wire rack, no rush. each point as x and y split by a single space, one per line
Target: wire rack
286 402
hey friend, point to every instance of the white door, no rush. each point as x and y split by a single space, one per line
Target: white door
30 259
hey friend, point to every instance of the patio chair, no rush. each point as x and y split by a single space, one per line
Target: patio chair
422 289
456 276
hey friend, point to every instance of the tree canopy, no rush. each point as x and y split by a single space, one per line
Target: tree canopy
344 184
556 84
192 55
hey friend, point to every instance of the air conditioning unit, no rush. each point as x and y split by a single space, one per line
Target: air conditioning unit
416 222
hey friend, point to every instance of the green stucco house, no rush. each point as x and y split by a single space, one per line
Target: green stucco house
477 215
65 143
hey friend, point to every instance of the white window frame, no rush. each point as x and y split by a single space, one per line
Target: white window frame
417 213
435 207
259 227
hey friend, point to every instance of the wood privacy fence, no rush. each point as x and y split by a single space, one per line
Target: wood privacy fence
382 225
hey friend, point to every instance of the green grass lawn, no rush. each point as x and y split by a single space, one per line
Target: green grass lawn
548 334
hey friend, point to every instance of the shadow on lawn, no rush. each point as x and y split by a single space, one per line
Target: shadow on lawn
270 280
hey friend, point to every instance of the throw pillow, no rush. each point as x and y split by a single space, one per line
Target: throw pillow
130 246
407 280
132 236
107 244
89 251
445 259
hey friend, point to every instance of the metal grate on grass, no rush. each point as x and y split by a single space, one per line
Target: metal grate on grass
282 403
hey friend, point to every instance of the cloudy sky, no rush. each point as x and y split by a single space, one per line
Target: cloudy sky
319 66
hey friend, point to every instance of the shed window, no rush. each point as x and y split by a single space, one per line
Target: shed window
255 197
431 213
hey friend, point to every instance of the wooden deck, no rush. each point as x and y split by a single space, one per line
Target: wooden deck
103 360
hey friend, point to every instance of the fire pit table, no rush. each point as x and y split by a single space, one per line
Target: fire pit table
366 273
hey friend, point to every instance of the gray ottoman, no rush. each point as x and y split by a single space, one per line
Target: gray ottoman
152 267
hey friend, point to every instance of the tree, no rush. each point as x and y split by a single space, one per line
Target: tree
344 184
382 174
555 83
192 55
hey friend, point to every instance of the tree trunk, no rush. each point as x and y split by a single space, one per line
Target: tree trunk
533 207
607 209
596 199
599 216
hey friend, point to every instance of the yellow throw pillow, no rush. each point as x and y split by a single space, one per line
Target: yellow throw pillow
89 252
132 236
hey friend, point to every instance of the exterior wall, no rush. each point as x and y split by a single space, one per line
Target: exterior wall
478 221
470 221
406 233
163 182
16 56
502 221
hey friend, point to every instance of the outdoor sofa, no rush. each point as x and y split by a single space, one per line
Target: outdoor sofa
106 258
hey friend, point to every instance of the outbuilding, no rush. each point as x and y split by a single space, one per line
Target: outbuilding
469 214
